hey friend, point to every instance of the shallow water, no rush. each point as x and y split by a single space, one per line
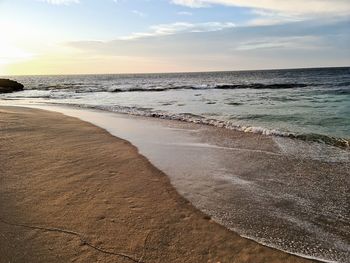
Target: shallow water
281 192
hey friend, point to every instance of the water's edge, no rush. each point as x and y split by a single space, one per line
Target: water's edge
63 110
343 143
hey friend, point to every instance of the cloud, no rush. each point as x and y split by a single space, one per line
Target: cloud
301 43
180 27
293 43
290 45
138 13
61 2
192 3
184 13
295 7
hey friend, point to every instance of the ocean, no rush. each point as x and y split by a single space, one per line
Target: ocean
311 104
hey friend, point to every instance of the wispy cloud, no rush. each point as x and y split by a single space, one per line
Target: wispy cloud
295 7
192 3
263 18
297 44
180 27
293 42
138 13
61 2
184 13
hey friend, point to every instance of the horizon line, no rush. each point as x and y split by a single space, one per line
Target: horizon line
177 72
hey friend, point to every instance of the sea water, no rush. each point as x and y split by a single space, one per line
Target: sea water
312 104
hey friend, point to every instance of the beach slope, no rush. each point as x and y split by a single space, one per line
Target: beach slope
71 192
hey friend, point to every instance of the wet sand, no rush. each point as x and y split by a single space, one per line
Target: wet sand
88 196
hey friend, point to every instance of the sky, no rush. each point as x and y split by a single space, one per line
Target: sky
142 36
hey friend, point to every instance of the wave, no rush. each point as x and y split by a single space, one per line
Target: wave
334 141
193 118
220 87
338 89
343 84
344 91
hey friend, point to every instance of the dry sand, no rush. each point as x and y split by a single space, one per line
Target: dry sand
60 173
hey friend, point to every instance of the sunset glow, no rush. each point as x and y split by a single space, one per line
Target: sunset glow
70 37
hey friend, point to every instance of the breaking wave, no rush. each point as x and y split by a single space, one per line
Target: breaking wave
193 118
99 87
222 87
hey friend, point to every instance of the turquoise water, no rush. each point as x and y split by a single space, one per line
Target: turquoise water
308 103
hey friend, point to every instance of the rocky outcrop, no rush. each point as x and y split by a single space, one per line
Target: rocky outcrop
7 86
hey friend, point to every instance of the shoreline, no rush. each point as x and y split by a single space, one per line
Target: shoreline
332 141
342 143
185 229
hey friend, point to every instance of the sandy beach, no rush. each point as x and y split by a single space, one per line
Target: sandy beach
71 192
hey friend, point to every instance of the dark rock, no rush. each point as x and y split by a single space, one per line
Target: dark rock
7 86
